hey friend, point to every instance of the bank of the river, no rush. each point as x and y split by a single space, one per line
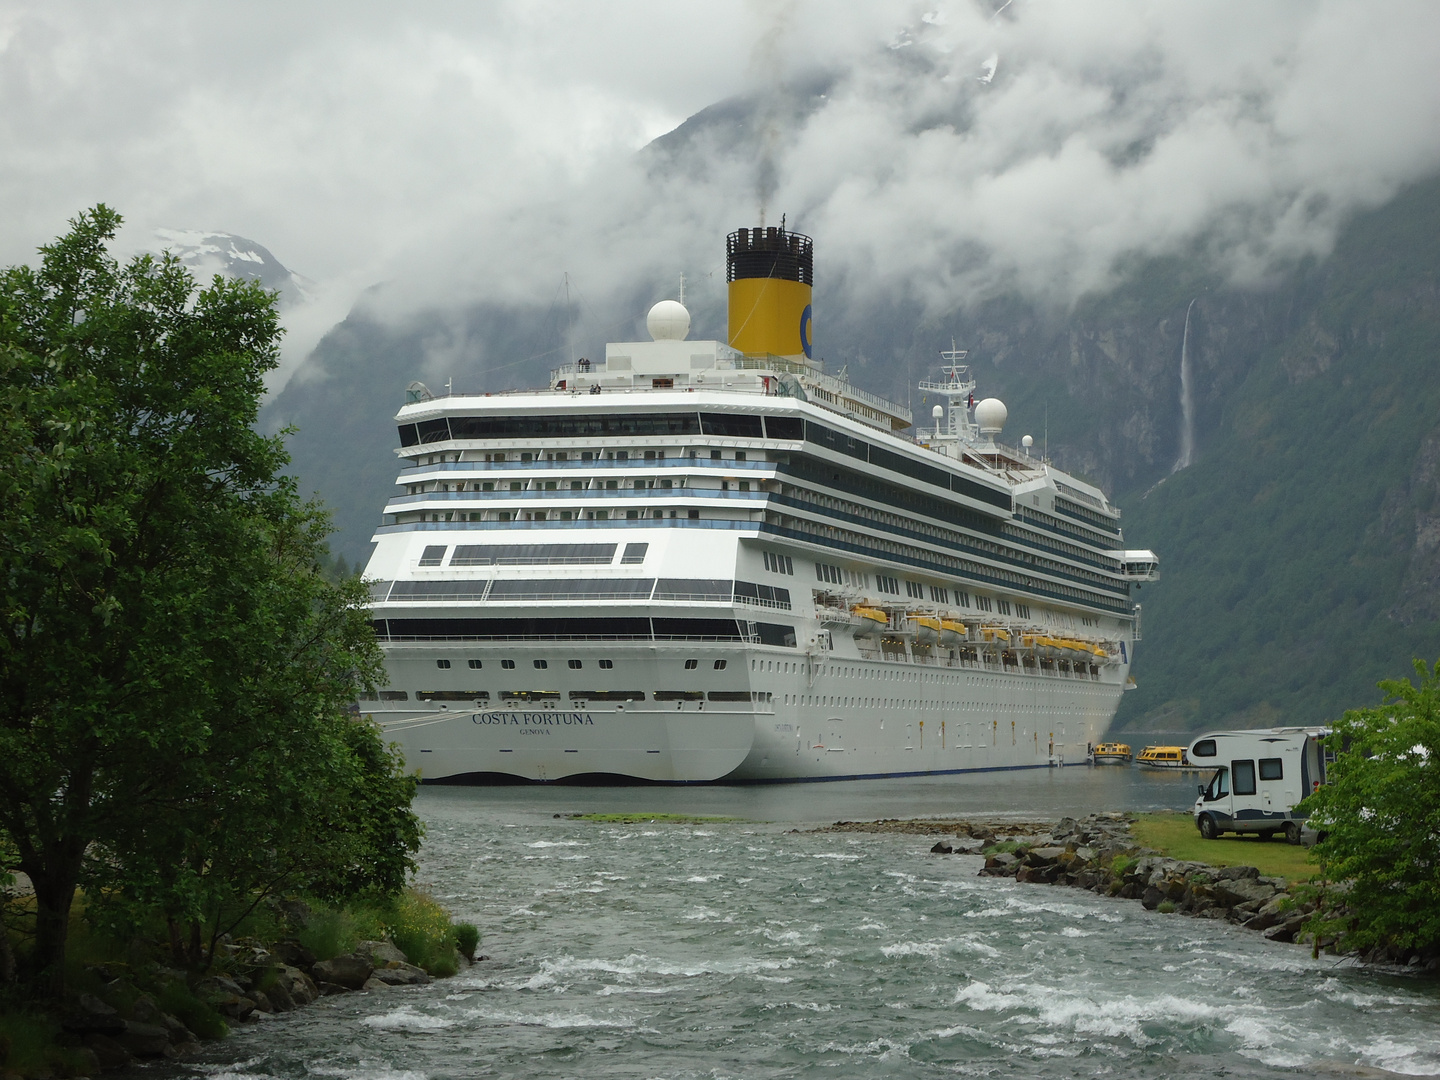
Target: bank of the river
1262 886
126 1004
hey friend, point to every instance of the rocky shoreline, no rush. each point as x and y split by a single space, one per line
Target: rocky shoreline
121 1026
1097 853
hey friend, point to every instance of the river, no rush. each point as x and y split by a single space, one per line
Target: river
746 949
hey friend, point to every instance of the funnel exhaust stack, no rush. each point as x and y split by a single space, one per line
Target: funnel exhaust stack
770 271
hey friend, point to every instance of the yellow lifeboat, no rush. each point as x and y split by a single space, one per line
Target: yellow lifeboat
952 632
994 633
1112 753
872 621
926 627
1164 757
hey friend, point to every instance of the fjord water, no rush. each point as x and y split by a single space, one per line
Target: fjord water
746 949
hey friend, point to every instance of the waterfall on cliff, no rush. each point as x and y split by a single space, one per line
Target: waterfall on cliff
1187 401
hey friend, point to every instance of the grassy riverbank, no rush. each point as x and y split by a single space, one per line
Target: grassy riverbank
1175 836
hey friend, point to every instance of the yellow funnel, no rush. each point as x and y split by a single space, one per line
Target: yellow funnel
770 271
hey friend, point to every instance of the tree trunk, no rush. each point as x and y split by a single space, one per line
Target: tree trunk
54 896
7 954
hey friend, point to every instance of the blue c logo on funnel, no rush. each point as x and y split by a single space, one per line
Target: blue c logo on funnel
805 331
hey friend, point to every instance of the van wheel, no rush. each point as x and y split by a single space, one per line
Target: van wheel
1267 834
1207 827
1292 833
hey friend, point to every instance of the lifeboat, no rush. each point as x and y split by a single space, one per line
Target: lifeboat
872 621
1112 753
994 633
952 632
1164 757
927 629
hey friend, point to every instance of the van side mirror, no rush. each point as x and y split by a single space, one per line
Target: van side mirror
1201 789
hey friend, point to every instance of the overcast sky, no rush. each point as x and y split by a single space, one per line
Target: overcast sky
957 150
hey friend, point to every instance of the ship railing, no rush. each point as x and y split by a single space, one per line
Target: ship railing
738 639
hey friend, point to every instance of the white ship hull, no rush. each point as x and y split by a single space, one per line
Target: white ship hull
831 716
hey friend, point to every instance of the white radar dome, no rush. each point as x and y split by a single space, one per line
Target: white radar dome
991 415
1027 442
668 321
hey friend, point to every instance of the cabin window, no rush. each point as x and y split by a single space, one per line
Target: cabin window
1244 777
887 584
475 663
1204 748
432 556
691 664
1272 768
575 664
541 664
607 663
719 665
915 589
442 663
693 515
507 663
394 695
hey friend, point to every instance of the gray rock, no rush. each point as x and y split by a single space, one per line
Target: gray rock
1235 873
942 847
220 985
301 987
280 996
235 1006
1043 856
109 1052
373 983
262 1001
329 989
144 1040
1151 897
402 974
348 971
381 953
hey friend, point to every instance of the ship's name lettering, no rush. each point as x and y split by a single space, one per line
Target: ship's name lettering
534 719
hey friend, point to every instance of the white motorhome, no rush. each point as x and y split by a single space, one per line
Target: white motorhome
1259 777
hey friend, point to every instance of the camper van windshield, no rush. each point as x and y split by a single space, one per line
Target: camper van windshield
1219 785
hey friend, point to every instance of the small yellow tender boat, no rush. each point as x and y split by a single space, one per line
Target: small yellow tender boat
927 629
1164 757
952 632
872 621
1112 753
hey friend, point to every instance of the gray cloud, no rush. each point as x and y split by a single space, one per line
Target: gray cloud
467 153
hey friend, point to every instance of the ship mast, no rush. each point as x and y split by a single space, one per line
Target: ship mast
954 426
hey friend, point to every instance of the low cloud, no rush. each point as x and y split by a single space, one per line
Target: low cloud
942 153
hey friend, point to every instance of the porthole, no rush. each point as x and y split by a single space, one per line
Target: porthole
690 665
507 664
576 664
442 663
541 664
607 663
719 665
475 663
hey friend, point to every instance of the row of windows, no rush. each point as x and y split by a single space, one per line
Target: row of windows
544 515
506 590
591 425
778 564
803 499
574 695
882 548
533 554
574 665
526 457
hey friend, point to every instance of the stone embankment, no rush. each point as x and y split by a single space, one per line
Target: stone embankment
1098 854
120 1025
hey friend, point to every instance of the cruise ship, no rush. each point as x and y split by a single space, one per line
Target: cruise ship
716 561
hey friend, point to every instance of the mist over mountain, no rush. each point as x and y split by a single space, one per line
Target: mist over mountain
206 254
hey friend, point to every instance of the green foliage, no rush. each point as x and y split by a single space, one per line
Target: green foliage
421 929
1175 836
1379 812
1007 847
467 940
175 666
1166 907
1121 863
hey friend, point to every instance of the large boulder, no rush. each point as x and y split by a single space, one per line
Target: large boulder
349 971
145 1040
401 973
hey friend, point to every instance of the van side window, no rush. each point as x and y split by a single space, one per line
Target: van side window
1204 748
1271 768
1244 777
1219 787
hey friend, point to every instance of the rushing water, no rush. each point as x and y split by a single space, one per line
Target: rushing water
750 950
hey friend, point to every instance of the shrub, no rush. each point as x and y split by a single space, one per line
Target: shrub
1120 864
421 929
467 940
1166 908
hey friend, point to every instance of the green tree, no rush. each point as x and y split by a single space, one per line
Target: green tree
1379 812
174 665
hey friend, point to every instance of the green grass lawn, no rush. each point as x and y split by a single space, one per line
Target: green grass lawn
1177 837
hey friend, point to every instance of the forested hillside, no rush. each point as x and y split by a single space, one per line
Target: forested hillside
1300 549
